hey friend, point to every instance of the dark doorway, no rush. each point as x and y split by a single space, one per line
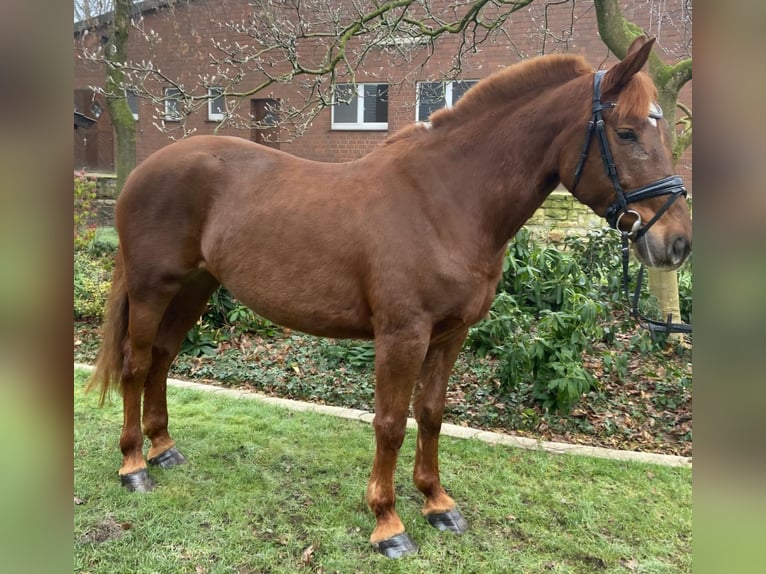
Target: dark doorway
265 113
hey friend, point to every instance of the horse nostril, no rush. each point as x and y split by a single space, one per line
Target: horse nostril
680 248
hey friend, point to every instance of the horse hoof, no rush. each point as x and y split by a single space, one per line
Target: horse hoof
397 546
451 520
168 459
138 481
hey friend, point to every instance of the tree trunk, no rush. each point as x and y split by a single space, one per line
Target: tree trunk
664 286
116 101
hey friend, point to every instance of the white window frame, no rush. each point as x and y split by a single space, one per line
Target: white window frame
448 103
360 124
170 114
214 94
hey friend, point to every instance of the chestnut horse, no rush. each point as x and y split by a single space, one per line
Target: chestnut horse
404 246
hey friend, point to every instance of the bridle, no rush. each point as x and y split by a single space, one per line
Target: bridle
672 186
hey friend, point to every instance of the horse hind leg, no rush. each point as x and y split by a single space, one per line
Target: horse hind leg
143 322
184 310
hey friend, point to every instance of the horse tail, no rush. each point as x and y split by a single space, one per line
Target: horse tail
107 373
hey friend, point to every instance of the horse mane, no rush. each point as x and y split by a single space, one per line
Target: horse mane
526 79
516 81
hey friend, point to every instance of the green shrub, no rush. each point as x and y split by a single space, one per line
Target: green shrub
685 290
547 313
104 243
537 274
92 282
505 321
548 356
599 254
553 305
224 311
224 318
199 343
359 355
84 194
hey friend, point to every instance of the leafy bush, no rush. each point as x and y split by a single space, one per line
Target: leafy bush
599 254
104 243
685 290
547 313
84 194
224 311
224 318
199 343
550 358
355 354
537 275
506 321
92 282
552 306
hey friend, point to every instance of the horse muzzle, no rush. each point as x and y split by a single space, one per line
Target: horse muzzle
666 253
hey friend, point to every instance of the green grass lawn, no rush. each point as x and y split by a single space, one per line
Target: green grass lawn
268 490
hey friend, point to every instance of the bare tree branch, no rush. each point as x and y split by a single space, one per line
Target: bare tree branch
314 44
309 44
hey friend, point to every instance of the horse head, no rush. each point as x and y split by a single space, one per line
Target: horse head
624 169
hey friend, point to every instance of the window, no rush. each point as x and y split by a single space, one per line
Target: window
216 105
172 104
434 96
360 107
132 99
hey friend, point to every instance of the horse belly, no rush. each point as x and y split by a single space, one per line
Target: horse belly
323 310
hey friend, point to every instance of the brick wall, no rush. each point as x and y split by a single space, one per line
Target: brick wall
560 216
183 44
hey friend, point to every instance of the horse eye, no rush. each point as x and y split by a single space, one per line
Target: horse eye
627 134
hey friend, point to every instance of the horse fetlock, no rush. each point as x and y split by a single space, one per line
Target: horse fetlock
387 526
438 501
161 443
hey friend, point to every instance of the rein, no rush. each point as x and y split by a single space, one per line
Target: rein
671 185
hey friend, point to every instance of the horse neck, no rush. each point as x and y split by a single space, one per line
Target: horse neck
501 166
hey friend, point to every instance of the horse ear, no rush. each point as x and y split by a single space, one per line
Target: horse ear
620 74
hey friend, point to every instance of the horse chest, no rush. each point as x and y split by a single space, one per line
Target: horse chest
471 304
480 303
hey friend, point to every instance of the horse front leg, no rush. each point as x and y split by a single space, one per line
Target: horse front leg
398 360
430 396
